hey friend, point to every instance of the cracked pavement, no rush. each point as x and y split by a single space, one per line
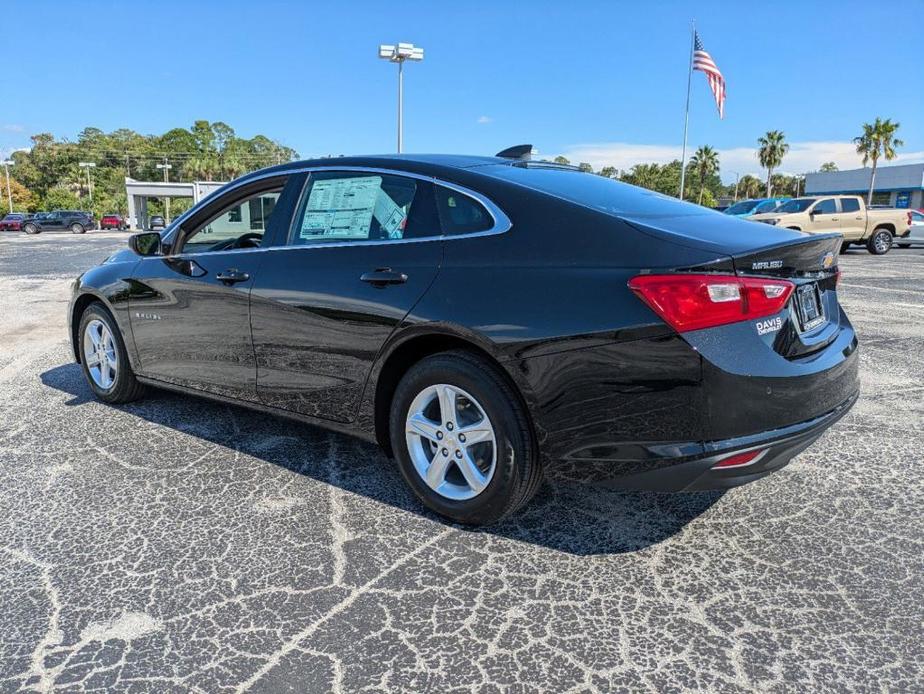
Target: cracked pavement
179 545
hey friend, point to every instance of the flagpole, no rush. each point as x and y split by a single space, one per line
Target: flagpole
686 117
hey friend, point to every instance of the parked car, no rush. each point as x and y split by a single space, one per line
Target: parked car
78 222
13 221
113 221
157 222
847 214
746 208
479 316
915 235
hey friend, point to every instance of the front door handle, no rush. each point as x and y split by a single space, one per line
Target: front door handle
232 276
383 276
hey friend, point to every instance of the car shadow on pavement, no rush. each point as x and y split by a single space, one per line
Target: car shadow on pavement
568 514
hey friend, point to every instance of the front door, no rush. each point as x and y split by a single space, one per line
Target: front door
361 251
190 309
825 216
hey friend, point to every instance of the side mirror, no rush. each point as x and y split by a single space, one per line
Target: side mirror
145 244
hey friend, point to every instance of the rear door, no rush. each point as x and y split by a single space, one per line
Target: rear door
190 309
54 221
853 218
363 247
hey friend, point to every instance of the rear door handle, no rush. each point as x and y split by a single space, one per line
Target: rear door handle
232 276
383 276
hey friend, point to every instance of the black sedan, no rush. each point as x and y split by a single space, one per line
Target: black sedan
76 221
480 317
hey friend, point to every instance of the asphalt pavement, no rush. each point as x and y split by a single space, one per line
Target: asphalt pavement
176 545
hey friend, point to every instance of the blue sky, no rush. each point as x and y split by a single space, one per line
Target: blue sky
603 82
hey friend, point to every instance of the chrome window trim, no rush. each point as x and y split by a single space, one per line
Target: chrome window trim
502 223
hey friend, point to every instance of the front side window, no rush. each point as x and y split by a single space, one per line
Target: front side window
241 225
766 206
850 205
826 206
797 205
461 214
339 207
743 207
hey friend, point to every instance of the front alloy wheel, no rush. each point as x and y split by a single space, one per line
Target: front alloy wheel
104 358
100 353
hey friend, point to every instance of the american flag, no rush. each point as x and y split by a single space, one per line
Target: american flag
703 62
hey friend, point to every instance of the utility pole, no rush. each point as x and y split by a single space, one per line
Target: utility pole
7 163
166 167
737 179
88 165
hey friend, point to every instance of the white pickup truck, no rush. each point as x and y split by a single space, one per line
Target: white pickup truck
847 214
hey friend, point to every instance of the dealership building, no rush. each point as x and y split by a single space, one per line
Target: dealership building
896 186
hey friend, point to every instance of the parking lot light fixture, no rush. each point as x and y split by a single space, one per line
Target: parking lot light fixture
88 165
7 163
398 53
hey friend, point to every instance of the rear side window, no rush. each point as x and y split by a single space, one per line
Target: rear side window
343 207
826 206
461 214
766 206
850 205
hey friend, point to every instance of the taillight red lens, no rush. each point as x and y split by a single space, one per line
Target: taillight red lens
694 302
740 459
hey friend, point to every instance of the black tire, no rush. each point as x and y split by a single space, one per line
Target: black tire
879 242
125 387
31 229
77 228
845 246
517 473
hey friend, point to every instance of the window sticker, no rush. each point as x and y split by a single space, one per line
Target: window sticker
389 215
340 208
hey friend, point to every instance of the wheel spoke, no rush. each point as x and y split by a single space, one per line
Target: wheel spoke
104 373
476 480
94 337
420 425
93 359
447 397
436 473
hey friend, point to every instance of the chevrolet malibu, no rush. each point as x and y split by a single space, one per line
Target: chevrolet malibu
482 317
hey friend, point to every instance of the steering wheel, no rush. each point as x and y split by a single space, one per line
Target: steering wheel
249 240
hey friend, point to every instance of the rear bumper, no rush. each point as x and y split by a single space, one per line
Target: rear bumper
780 446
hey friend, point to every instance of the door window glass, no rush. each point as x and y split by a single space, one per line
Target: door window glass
241 225
826 206
766 206
343 207
850 205
461 214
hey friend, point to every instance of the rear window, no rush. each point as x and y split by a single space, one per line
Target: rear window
850 205
767 206
742 207
596 192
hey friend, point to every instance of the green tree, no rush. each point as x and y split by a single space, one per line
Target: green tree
749 187
773 148
828 166
878 140
608 172
561 160
585 167
705 163
60 198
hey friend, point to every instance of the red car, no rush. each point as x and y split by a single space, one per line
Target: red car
113 221
12 222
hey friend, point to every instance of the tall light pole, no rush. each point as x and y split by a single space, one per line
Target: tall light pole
737 179
88 165
398 54
7 163
166 167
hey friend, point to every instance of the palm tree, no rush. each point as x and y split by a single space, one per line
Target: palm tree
773 148
705 162
877 140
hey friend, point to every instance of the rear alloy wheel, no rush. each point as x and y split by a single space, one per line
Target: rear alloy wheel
462 440
880 242
104 359
77 229
30 229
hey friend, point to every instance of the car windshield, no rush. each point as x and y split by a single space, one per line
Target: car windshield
797 205
742 207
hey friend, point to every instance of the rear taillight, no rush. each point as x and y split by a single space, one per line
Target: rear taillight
909 219
740 459
693 302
